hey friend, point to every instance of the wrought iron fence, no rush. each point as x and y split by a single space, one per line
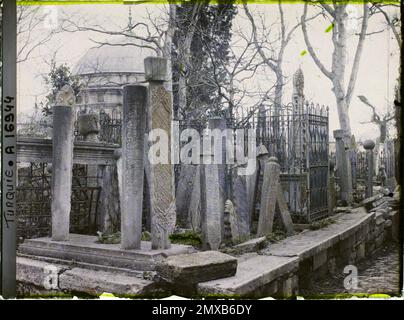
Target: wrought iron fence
299 140
34 201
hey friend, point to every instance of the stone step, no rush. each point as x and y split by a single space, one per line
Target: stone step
97 267
85 249
56 277
197 267
252 273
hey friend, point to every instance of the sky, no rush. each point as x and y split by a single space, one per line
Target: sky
379 66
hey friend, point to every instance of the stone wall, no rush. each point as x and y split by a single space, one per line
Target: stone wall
327 258
285 268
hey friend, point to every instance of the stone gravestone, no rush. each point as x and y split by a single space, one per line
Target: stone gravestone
218 124
184 193
194 213
284 212
131 166
343 167
369 146
268 197
62 163
211 208
240 202
272 198
162 202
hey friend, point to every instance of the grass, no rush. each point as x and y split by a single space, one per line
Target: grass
188 238
321 224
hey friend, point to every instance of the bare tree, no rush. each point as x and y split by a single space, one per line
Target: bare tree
337 74
272 53
392 20
31 30
380 120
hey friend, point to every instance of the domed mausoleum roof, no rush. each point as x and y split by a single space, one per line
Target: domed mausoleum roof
114 58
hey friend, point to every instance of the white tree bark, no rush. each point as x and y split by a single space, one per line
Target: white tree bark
339 58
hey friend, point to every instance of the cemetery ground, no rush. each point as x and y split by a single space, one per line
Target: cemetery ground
310 264
96 216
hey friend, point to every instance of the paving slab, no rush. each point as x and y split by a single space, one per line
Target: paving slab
308 244
97 282
252 273
197 267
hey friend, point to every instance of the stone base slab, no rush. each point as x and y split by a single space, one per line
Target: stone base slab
85 249
197 267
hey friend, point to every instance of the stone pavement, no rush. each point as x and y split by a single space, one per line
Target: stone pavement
379 274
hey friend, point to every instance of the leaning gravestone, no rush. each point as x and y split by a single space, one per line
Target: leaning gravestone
162 200
268 197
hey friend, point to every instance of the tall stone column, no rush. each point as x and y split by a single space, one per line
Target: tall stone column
268 196
162 200
211 213
62 163
343 168
133 135
369 146
219 146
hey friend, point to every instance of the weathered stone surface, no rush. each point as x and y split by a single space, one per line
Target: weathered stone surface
83 248
231 223
38 273
240 201
268 197
62 165
108 206
88 126
251 245
284 212
251 184
343 167
195 202
184 192
162 197
211 207
197 267
308 244
155 69
133 130
217 126
97 282
252 274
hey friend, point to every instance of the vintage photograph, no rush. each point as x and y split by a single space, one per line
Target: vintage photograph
225 149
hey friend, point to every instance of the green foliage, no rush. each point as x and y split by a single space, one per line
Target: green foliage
115 238
321 223
188 237
58 77
209 54
275 236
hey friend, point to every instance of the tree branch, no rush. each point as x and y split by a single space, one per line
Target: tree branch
327 73
359 49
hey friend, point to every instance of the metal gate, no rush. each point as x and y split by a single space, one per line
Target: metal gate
299 140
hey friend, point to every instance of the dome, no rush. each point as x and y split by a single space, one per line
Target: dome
114 58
